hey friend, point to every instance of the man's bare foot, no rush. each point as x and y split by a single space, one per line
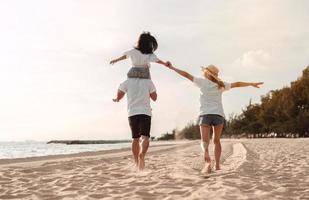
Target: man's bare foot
207 168
218 167
141 161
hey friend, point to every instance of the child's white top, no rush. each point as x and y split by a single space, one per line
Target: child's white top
140 60
138 95
211 96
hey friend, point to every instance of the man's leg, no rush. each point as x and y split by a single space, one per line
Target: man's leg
205 132
217 136
143 150
135 149
133 121
145 124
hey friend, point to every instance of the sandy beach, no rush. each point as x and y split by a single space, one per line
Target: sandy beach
251 169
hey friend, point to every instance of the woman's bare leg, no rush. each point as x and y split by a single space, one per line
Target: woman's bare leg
217 136
205 132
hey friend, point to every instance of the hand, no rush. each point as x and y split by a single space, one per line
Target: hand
112 62
115 100
257 85
169 64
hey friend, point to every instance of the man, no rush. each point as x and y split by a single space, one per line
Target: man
139 92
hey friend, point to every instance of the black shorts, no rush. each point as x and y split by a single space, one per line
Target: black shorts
140 125
211 120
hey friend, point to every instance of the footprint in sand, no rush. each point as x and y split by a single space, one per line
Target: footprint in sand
27 171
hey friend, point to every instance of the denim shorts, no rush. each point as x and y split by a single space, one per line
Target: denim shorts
139 72
211 120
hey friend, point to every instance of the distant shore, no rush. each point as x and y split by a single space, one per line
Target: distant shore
89 152
69 142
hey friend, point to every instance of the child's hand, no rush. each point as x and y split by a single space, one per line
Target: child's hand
169 64
112 62
257 85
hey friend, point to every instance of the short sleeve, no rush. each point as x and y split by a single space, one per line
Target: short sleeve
128 53
153 58
123 87
227 86
152 87
198 81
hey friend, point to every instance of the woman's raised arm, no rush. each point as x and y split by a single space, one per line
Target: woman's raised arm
246 84
182 73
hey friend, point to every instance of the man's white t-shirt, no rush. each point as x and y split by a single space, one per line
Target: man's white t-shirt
211 96
138 95
140 60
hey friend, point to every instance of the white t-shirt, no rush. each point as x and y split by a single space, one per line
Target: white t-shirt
140 60
211 96
138 95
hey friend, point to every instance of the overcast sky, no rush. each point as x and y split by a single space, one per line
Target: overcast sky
56 83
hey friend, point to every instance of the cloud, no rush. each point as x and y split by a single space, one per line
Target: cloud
255 59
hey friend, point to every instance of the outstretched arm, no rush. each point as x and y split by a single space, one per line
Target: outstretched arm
246 84
166 64
118 59
120 94
182 73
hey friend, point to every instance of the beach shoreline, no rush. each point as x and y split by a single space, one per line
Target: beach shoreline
85 154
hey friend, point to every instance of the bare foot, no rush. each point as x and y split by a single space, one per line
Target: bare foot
218 167
141 161
207 168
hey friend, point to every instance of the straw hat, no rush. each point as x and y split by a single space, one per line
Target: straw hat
211 70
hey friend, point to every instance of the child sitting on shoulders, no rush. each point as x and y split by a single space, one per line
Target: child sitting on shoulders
141 56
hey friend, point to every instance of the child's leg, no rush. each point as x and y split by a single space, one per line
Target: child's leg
139 72
217 136
120 95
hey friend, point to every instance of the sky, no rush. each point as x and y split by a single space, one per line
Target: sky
56 81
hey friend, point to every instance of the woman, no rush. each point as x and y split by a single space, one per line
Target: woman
211 109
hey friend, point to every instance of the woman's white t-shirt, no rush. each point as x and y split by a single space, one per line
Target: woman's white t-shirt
211 96
140 60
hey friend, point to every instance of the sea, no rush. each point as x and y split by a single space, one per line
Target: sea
11 150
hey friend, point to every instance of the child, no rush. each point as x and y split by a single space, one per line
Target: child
211 109
141 56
